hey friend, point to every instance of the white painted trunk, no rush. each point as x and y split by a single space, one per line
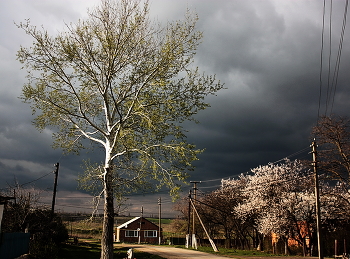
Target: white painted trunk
108 211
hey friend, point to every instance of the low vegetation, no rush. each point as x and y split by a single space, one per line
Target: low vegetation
84 227
91 249
232 252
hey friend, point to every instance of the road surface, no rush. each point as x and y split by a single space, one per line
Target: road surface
172 252
179 253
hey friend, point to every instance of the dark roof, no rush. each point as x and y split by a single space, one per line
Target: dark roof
125 225
4 199
128 222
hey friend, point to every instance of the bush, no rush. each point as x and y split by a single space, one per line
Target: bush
41 249
47 234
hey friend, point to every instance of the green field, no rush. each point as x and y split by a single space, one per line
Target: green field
163 221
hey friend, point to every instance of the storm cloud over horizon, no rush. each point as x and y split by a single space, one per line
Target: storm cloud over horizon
267 52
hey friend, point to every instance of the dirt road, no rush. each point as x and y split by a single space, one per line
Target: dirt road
179 253
172 252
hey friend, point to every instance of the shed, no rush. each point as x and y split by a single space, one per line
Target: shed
3 201
137 229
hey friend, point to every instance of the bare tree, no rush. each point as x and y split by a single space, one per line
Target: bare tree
25 200
218 209
333 138
124 83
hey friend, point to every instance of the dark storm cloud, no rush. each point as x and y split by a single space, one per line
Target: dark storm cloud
268 55
266 52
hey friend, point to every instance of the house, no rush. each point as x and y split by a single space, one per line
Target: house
137 230
3 201
12 245
299 236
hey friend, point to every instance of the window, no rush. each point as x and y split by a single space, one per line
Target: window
131 233
150 233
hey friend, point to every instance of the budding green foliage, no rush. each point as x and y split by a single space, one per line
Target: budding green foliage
123 82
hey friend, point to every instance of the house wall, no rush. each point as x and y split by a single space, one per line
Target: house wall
14 245
145 226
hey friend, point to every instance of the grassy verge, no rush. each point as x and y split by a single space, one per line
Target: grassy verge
232 252
91 249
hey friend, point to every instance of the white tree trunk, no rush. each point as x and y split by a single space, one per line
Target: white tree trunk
108 217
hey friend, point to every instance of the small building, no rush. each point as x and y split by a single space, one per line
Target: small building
3 201
12 245
137 230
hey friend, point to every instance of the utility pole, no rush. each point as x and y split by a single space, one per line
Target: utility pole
189 221
205 230
195 198
160 220
317 194
194 240
140 225
54 190
189 213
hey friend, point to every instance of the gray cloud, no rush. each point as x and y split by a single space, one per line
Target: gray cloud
266 52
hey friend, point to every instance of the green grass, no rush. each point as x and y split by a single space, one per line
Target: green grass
92 250
156 221
231 252
84 250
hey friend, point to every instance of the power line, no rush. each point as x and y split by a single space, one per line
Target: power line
262 185
287 157
340 48
271 182
69 205
206 187
35 179
332 82
21 185
162 191
294 154
330 54
321 60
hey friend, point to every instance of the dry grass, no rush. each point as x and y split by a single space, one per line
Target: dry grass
92 228
85 228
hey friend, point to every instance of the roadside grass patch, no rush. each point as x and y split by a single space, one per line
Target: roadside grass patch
230 252
233 252
91 249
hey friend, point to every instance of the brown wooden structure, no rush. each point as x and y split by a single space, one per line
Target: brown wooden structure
137 230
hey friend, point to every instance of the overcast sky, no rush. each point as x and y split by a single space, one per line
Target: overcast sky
268 54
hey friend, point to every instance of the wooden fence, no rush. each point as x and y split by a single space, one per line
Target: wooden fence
13 245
